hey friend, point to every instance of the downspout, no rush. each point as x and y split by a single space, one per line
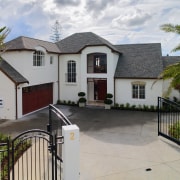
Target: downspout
58 78
114 90
16 87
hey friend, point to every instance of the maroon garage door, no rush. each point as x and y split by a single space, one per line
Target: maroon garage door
36 97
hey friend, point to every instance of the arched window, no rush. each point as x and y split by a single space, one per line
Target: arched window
38 58
71 71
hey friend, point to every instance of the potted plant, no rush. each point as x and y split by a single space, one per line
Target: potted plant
108 101
82 99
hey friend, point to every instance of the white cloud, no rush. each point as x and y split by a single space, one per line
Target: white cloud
124 21
131 17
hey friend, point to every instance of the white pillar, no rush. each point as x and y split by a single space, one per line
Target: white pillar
70 152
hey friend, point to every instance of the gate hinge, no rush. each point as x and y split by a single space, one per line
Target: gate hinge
60 139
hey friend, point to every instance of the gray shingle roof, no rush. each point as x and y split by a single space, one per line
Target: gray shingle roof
139 61
78 41
26 43
169 60
14 75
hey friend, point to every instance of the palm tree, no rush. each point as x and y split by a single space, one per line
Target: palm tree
172 71
4 31
174 29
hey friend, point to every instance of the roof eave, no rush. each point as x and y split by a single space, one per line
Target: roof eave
91 45
115 77
15 82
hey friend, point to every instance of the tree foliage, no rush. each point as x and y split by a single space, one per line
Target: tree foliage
174 29
56 32
172 71
4 31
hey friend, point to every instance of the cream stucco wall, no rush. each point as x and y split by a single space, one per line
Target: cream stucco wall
8 96
69 91
123 89
112 59
22 61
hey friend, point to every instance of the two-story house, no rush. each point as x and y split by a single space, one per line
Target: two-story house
35 73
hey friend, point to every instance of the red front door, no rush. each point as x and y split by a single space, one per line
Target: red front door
101 89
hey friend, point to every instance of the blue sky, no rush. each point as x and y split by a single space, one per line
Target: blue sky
118 21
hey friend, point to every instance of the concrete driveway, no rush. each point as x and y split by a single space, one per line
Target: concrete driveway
115 144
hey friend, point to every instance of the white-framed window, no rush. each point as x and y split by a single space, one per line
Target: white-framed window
138 90
1 103
71 72
38 58
51 59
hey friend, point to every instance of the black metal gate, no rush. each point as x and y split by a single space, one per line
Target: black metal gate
35 154
169 119
56 120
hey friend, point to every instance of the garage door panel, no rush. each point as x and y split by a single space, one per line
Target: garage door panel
36 97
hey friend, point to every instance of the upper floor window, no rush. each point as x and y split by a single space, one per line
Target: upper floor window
51 59
38 58
71 71
97 63
138 90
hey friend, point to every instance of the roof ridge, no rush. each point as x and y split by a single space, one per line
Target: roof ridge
30 38
135 44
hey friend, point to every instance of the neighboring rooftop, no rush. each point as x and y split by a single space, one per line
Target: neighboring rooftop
169 60
26 43
14 75
139 61
78 41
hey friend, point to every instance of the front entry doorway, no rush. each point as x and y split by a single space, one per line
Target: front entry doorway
97 89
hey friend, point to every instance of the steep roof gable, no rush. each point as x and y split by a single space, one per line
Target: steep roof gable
10 72
139 61
26 43
78 41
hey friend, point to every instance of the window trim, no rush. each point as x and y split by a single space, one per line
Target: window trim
71 72
139 93
38 59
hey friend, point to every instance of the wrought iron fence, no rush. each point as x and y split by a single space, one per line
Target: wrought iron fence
169 119
35 154
56 120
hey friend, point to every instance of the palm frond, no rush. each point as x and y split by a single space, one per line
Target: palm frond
177 48
170 71
170 28
3 34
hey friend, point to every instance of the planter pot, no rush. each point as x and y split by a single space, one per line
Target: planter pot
82 104
107 106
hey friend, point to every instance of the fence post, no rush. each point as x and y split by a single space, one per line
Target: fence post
70 152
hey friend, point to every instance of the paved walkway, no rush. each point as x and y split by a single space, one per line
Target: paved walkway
115 144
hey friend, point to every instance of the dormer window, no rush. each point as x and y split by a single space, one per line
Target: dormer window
38 58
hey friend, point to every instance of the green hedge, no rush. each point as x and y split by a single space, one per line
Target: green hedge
174 130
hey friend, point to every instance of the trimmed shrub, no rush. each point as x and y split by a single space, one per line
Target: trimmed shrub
82 100
109 96
81 94
108 101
